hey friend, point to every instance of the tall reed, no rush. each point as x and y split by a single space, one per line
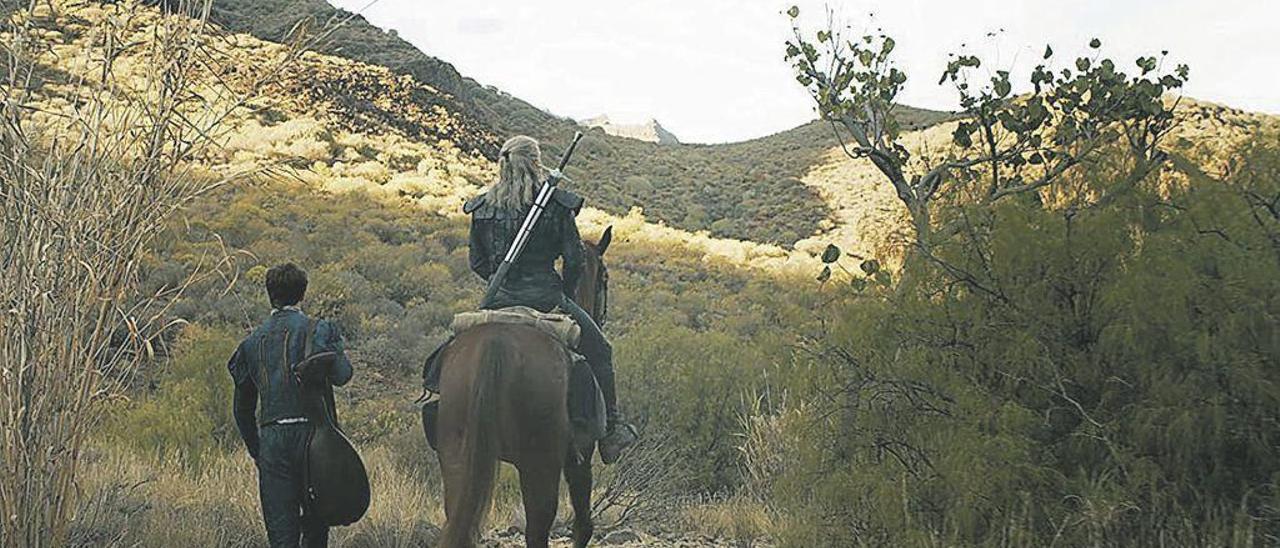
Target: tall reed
87 184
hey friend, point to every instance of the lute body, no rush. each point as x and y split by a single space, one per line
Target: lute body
336 480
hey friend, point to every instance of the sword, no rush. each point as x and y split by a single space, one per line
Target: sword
530 220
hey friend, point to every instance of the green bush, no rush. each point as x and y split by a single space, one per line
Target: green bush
1096 375
188 413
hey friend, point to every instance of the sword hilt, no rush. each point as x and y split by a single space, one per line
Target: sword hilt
564 160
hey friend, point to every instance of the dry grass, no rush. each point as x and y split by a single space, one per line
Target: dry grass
136 500
740 520
87 184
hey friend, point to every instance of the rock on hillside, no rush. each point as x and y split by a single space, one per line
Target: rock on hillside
650 131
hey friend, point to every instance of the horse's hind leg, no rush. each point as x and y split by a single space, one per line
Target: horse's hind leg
540 488
578 476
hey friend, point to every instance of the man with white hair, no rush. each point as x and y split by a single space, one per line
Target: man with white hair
496 217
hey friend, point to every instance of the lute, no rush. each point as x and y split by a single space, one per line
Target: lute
335 478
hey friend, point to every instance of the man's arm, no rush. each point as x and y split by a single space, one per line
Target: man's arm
331 341
479 252
245 403
572 251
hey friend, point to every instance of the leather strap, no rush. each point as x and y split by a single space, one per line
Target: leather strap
308 504
311 334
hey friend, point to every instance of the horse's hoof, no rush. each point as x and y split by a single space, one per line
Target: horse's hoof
580 540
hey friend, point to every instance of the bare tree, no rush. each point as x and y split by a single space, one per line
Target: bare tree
644 486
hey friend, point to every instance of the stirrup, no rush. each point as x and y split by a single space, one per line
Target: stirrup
428 396
622 436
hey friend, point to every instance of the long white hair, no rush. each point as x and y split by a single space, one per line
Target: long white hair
519 162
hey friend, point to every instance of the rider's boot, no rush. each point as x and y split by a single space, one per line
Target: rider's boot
619 434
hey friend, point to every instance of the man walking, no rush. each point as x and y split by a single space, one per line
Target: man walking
268 406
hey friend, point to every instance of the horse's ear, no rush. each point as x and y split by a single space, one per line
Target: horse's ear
605 239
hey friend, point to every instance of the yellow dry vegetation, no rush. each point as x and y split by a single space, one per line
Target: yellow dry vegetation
868 219
344 126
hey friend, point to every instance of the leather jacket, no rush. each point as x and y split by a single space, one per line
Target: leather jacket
261 370
532 280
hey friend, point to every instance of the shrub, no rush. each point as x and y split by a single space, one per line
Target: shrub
188 413
1095 375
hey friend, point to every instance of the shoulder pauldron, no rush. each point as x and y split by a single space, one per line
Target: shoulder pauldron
473 204
569 200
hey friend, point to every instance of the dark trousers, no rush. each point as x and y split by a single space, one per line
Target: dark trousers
280 484
599 354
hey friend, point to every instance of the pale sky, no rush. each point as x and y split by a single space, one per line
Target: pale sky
713 70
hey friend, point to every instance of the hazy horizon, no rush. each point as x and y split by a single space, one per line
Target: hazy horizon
698 67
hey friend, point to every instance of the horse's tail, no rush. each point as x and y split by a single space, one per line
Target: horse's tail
480 448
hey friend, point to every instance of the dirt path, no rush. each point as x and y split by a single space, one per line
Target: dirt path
621 538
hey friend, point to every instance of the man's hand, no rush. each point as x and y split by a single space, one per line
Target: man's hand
315 370
254 449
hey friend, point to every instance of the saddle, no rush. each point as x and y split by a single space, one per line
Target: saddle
337 486
587 416
560 326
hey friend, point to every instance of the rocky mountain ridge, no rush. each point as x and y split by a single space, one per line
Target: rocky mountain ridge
650 131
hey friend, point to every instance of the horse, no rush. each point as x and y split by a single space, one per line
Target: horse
508 386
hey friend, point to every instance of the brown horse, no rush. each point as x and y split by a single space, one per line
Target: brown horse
508 387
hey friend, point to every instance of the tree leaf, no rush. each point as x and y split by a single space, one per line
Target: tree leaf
831 254
870 266
1048 52
1003 88
825 274
1095 43
961 136
794 12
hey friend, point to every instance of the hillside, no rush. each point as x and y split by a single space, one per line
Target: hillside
794 189
751 190
345 125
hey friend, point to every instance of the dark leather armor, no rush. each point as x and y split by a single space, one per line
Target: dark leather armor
532 280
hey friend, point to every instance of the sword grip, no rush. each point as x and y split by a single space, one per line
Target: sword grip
568 153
